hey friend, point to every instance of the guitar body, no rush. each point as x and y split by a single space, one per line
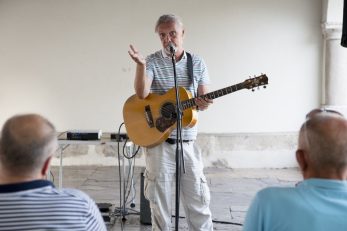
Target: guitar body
150 121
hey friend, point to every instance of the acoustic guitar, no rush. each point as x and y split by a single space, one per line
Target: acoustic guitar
150 121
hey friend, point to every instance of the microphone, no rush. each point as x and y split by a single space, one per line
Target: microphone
172 48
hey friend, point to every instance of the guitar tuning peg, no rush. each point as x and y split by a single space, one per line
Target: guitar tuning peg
264 86
253 89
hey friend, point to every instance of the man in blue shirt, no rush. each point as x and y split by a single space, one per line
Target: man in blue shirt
319 202
27 200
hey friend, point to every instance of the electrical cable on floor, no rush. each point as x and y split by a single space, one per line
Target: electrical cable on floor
227 222
216 221
119 172
132 184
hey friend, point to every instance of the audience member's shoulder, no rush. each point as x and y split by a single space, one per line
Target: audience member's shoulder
75 193
275 192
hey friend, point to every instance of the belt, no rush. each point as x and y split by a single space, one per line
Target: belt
174 141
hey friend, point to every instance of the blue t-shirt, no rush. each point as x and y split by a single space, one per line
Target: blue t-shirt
313 205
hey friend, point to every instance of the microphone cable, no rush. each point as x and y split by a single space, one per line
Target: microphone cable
121 210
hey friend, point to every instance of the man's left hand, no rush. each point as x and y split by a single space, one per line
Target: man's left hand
203 103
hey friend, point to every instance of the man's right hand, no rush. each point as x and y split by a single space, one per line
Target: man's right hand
136 56
142 83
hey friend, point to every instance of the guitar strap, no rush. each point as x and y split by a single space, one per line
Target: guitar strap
190 70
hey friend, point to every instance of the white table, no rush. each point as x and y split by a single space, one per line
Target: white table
64 143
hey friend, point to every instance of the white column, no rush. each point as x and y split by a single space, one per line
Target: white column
335 61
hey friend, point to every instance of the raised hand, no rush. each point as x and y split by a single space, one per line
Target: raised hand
136 56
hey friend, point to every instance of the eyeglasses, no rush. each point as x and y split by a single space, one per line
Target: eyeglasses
170 35
321 110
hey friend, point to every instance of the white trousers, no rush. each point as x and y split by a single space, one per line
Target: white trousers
160 178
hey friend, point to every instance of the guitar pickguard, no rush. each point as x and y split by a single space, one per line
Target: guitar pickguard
168 116
163 123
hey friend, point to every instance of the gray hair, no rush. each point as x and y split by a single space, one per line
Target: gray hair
325 137
26 142
168 18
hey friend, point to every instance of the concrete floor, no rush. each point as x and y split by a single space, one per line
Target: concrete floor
231 193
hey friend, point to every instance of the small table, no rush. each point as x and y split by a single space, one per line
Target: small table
64 143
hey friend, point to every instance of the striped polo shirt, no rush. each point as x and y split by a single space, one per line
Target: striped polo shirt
160 69
38 205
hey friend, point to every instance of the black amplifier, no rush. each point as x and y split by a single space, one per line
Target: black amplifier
84 135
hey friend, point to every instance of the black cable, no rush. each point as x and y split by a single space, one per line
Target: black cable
127 184
127 188
51 173
129 156
119 215
133 184
62 133
227 222
119 170
131 165
133 154
135 212
215 221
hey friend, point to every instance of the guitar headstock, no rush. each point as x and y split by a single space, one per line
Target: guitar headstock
260 80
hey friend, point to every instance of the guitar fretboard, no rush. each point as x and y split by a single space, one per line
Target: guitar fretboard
212 95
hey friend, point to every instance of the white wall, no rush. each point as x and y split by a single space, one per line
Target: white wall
68 59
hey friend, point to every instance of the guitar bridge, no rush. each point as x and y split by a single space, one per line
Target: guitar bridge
149 117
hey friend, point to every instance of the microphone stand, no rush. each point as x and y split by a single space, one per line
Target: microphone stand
179 145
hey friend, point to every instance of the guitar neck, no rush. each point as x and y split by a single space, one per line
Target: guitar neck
213 95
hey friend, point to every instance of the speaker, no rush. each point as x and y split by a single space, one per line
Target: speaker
344 25
145 210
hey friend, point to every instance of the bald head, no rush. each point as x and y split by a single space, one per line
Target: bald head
26 142
324 138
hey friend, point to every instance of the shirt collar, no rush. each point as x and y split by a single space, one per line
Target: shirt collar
325 183
8 188
167 56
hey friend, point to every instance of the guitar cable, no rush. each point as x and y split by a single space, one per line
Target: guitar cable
127 155
121 210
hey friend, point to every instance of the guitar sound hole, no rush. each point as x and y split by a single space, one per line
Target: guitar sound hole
168 111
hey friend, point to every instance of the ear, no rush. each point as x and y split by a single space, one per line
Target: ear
301 158
45 166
